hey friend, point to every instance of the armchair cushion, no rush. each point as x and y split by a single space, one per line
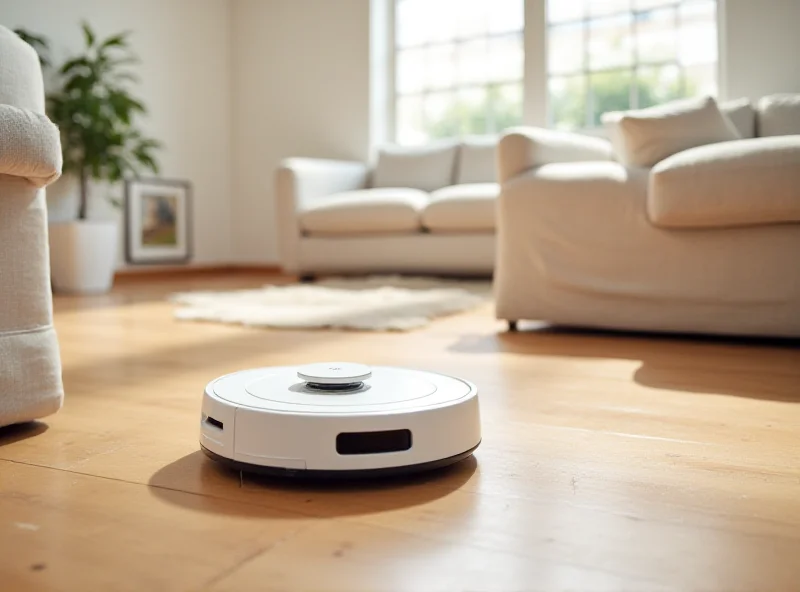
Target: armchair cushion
469 207
779 115
644 137
426 168
477 160
755 181
365 211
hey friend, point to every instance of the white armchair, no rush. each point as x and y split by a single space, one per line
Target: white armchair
706 241
30 158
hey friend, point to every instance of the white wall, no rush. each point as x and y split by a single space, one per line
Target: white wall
300 88
760 47
184 47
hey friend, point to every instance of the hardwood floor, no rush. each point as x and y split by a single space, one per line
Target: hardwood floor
608 462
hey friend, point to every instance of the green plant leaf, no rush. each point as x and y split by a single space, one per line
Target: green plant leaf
39 43
119 40
88 34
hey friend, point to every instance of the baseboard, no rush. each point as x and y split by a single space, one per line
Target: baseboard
144 271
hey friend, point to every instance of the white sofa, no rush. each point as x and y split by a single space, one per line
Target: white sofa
419 210
677 226
30 158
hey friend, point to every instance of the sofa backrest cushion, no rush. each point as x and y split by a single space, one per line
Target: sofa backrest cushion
779 115
742 115
644 137
477 160
427 168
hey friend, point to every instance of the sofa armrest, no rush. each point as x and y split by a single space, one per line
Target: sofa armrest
30 146
300 181
523 148
740 183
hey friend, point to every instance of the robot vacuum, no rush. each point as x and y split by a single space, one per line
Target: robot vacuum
339 420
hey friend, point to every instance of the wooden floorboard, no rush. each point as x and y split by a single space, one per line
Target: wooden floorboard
608 462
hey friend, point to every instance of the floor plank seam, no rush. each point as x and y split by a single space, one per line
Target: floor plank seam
269 547
165 488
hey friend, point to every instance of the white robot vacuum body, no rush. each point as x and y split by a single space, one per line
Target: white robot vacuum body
339 420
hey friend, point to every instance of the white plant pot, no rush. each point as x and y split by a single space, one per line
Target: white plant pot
83 255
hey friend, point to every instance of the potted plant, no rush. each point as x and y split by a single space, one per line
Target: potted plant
95 112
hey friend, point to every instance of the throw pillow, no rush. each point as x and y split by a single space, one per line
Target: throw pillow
779 115
644 137
742 115
476 160
427 168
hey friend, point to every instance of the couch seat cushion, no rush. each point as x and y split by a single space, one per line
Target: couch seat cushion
462 208
742 183
388 209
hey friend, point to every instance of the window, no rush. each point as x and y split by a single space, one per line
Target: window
458 67
608 55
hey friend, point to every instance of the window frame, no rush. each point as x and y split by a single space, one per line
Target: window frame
393 95
586 71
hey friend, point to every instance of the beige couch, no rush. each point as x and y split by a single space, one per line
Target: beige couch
30 158
689 222
418 210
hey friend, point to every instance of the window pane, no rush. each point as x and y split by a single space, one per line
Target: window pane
609 91
440 67
567 96
506 107
647 4
505 58
505 16
658 85
442 115
610 42
656 36
472 62
559 11
471 18
410 128
473 104
701 79
440 15
410 70
606 7
565 51
698 33
413 27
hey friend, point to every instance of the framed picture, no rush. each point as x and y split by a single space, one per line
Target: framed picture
157 221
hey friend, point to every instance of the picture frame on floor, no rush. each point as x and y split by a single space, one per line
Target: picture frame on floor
158 221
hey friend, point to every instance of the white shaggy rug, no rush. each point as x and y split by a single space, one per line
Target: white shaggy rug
376 303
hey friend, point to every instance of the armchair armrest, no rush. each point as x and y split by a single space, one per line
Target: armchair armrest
739 183
30 146
523 148
300 181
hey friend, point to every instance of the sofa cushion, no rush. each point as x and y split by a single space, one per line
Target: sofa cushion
779 115
427 168
646 136
462 208
476 160
365 211
755 181
742 115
